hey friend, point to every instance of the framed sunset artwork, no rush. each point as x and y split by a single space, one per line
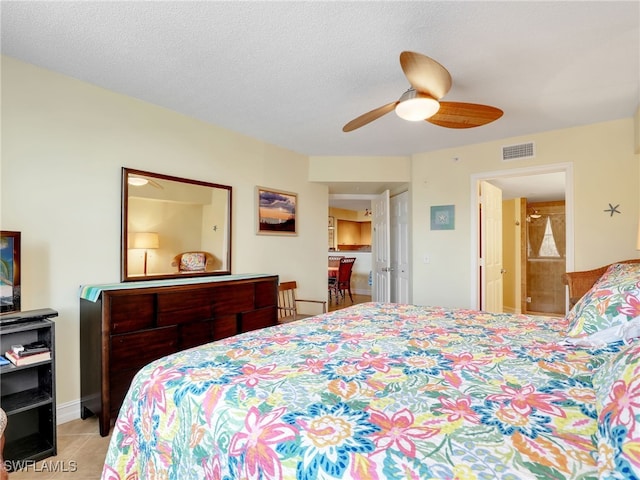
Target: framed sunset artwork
276 212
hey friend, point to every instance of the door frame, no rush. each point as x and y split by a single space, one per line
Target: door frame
371 198
357 197
566 168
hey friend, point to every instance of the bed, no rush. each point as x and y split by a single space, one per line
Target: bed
388 391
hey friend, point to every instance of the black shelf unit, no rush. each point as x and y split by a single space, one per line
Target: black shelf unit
28 393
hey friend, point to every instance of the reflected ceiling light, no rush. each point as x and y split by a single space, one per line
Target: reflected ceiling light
415 106
535 214
137 181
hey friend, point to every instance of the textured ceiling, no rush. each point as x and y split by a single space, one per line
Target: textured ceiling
293 73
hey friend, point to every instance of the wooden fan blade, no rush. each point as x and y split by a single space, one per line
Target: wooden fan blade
464 115
369 117
425 74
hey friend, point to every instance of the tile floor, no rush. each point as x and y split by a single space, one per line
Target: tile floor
81 452
81 449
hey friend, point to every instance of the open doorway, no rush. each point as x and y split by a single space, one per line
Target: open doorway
544 258
545 189
388 232
350 235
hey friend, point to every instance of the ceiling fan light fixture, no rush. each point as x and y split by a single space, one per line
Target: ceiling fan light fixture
415 106
137 181
535 215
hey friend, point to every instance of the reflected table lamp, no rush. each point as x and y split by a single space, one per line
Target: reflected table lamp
145 241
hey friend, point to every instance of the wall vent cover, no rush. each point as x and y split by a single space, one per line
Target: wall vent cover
517 152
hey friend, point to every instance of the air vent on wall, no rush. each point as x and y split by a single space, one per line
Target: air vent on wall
518 152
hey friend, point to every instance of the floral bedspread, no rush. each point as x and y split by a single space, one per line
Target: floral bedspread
374 391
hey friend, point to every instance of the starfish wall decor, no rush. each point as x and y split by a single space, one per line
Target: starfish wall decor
612 210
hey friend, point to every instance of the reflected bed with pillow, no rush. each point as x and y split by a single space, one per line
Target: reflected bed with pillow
389 391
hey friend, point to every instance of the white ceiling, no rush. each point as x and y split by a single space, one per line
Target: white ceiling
293 73
543 187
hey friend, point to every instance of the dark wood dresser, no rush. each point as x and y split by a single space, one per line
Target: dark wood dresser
131 324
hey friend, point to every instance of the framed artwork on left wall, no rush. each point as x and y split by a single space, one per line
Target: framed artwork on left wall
276 212
9 271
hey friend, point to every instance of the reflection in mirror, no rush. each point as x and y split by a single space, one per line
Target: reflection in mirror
173 227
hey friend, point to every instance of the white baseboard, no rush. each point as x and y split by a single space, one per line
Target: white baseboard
66 412
362 291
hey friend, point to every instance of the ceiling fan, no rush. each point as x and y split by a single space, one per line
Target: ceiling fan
429 82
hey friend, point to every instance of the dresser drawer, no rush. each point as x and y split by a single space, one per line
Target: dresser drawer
225 326
119 383
266 294
264 317
234 299
130 313
182 307
198 333
134 350
194 334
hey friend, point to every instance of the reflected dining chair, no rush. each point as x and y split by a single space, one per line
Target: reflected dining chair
342 281
288 303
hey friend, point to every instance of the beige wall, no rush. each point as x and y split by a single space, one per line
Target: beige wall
65 141
63 145
605 170
359 169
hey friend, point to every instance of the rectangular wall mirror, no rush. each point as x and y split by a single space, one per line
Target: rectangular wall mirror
173 227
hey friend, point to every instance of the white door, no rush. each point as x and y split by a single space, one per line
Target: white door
381 288
399 218
491 247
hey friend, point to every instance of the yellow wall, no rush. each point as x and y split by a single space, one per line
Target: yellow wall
359 169
343 214
64 142
63 145
605 170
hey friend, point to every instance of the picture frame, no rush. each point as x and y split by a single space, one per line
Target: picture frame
9 271
276 212
443 217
